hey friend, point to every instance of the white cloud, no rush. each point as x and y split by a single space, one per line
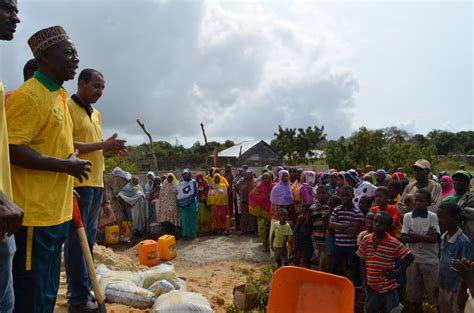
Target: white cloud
241 68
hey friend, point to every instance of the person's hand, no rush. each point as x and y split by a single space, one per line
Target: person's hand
432 231
11 217
463 267
114 145
392 274
77 167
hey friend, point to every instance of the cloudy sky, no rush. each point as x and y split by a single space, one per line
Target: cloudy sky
244 67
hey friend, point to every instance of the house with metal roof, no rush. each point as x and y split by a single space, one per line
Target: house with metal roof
252 153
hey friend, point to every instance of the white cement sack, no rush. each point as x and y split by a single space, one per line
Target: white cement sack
161 287
182 302
120 277
163 271
131 295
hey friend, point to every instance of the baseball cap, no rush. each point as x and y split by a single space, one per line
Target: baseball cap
422 164
464 173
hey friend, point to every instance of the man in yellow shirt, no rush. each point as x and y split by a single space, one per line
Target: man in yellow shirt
87 134
44 165
11 216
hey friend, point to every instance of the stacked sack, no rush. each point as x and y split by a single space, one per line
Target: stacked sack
159 287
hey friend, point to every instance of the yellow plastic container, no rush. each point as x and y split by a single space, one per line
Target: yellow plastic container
126 229
148 252
167 247
112 234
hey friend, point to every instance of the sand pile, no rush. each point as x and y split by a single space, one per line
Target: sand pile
114 261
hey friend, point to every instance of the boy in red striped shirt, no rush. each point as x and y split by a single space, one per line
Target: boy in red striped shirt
378 252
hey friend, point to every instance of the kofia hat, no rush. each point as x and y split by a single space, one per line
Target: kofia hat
45 38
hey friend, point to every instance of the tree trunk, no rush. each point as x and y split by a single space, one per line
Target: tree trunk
155 161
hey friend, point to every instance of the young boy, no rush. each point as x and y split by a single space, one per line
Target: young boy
369 227
303 241
346 220
381 200
454 245
365 203
281 233
330 240
395 190
378 252
420 231
319 211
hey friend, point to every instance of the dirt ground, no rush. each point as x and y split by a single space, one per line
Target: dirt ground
211 265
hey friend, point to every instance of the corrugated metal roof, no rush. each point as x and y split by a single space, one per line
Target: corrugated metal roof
234 152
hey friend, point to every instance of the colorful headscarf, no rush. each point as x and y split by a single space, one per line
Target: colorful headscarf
308 177
259 199
282 194
352 175
450 189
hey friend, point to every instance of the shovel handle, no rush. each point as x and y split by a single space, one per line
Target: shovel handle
86 252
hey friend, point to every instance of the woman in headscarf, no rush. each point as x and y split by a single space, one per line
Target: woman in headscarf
281 197
248 223
149 182
401 178
229 177
221 178
167 211
323 178
154 197
341 182
332 185
204 214
217 201
132 199
307 192
381 178
260 206
447 186
236 195
188 202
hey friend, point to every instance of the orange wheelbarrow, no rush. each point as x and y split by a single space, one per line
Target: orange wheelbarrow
296 289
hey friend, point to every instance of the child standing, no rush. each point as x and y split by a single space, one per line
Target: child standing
346 220
330 240
369 227
280 235
395 190
420 231
378 252
318 212
365 203
454 245
303 243
381 200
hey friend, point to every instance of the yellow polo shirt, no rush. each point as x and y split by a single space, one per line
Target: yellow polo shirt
88 130
5 179
38 117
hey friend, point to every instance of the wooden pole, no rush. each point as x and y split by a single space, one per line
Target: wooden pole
155 161
205 143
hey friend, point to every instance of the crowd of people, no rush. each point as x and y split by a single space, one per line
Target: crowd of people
398 241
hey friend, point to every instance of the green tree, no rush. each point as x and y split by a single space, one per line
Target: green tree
296 145
338 154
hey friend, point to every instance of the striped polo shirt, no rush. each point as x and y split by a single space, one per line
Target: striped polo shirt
381 259
346 216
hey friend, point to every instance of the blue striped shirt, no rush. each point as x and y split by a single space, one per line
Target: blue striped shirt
346 216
